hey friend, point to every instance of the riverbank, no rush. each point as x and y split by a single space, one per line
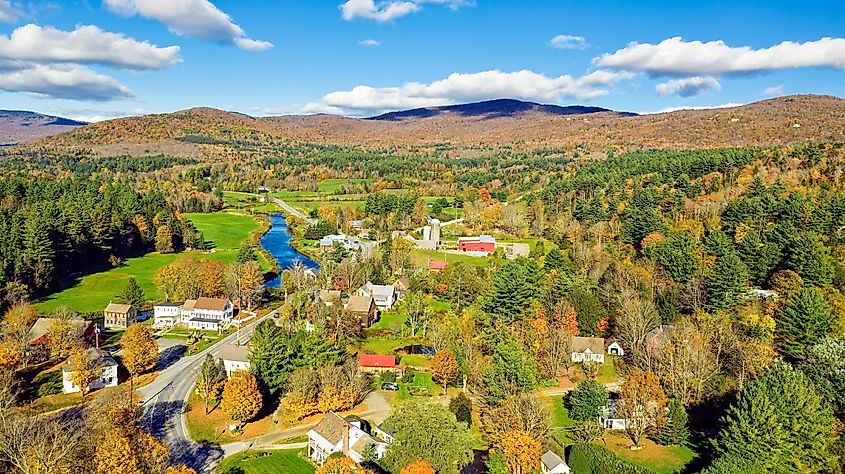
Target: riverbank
296 226
277 241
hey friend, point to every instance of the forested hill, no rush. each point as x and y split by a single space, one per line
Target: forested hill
17 126
207 132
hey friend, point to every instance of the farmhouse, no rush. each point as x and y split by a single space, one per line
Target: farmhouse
384 295
234 357
210 313
107 376
551 463
588 349
402 285
481 245
37 334
167 314
375 364
334 434
364 307
120 316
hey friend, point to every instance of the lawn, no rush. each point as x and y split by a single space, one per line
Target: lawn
607 371
335 185
225 230
422 380
393 319
212 428
268 462
307 206
209 338
560 415
660 459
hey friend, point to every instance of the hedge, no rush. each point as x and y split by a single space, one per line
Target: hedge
594 459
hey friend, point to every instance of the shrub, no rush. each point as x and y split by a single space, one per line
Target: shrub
408 376
49 383
387 377
595 459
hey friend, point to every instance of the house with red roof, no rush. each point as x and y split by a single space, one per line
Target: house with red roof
375 364
436 265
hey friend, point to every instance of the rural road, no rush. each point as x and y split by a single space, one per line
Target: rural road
165 400
287 207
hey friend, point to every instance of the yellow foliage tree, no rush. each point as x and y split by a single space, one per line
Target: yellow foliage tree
335 399
342 465
180 469
140 351
444 367
418 467
241 397
519 450
10 354
84 369
114 454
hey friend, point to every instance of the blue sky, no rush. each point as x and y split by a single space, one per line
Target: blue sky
95 59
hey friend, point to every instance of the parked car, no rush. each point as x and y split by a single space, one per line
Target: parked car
390 386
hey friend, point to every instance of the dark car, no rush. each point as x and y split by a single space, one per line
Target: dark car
390 386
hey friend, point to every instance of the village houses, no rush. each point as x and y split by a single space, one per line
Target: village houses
334 434
119 316
105 365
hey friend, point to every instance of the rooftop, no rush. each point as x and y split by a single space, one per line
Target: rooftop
360 304
377 360
234 353
42 326
212 304
594 344
551 460
100 357
118 308
169 304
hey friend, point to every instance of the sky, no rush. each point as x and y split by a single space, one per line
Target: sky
98 59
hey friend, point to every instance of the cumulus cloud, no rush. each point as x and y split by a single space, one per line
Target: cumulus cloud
694 107
460 87
9 13
63 81
688 87
773 91
195 18
391 9
568 42
675 56
85 44
370 43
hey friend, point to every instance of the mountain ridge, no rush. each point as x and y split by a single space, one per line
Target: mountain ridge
17 126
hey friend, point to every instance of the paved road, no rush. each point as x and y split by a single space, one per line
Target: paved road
165 400
287 207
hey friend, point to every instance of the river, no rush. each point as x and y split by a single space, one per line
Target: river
277 242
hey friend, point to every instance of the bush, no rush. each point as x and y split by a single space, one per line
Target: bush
594 459
387 377
49 383
408 376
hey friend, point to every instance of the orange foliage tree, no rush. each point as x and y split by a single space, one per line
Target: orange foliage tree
342 465
519 450
444 367
418 467
241 397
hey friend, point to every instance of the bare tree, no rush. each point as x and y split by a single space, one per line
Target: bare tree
522 412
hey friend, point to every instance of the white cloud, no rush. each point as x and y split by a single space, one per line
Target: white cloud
63 81
773 91
96 115
459 87
85 44
370 43
674 56
9 13
195 18
568 42
388 10
694 107
688 87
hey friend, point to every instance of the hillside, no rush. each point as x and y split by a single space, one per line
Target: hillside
18 126
490 109
204 131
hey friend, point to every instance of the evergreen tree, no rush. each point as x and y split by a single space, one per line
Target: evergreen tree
246 254
727 283
133 293
586 401
675 430
514 288
811 259
38 254
461 406
804 321
513 371
678 256
554 260
777 424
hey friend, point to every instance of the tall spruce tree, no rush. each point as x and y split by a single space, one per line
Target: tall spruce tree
675 429
804 321
133 293
727 283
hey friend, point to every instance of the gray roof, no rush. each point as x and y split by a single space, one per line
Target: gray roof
331 427
205 320
169 304
551 460
42 326
384 291
100 357
594 344
234 352
360 304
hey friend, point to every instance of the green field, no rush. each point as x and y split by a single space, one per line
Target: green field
422 257
268 462
93 292
335 185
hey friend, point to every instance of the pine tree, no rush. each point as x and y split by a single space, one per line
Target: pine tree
804 321
586 401
675 430
811 259
38 253
461 406
727 283
513 290
133 293
554 260
246 254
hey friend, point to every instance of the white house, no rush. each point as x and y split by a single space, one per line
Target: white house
334 434
551 463
211 314
167 314
234 357
384 295
609 419
588 349
614 348
107 376
186 310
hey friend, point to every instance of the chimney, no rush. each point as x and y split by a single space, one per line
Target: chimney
345 438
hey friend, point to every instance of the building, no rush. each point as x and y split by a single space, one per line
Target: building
356 225
119 316
187 310
105 363
588 349
167 314
481 245
402 285
437 265
329 297
37 334
384 295
614 348
211 314
376 364
609 418
349 243
551 463
234 357
364 307
514 250
334 434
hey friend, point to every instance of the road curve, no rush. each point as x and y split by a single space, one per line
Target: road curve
165 400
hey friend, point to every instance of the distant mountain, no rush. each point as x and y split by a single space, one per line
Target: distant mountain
212 134
492 109
18 126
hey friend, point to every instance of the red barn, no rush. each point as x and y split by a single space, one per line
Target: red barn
374 364
482 244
